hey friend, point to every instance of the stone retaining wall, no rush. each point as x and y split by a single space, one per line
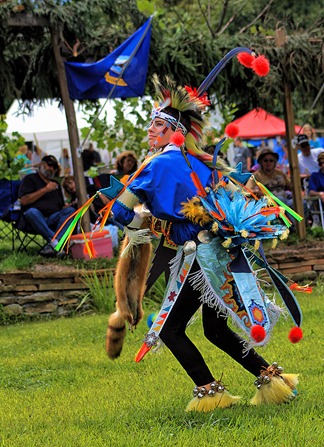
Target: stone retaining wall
26 295
299 264
44 293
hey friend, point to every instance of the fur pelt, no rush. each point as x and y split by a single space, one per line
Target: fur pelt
129 283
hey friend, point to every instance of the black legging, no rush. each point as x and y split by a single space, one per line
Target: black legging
215 330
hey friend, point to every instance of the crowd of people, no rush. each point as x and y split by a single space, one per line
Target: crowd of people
48 191
270 166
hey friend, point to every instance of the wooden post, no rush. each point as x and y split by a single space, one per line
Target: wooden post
72 128
27 19
292 153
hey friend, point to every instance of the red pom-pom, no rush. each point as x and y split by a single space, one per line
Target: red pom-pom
231 130
295 334
258 333
177 138
245 59
261 66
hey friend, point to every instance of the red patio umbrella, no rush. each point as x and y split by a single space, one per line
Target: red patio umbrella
260 124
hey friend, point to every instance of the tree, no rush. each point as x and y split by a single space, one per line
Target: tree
205 30
189 37
9 167
89 29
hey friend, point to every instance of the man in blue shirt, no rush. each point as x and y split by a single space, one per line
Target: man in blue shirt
316 187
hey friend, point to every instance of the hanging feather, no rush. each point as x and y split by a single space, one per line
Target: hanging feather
145 348
88 247
200 189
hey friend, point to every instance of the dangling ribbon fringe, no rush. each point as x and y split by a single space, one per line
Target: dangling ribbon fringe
88 246
281 203
78 214
306 288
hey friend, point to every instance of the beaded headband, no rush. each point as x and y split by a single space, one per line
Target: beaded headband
157 113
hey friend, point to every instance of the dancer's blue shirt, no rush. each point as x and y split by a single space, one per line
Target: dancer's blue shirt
163 185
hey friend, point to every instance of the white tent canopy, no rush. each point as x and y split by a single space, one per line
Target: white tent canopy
47 126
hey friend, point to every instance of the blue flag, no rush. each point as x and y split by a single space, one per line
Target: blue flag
122 74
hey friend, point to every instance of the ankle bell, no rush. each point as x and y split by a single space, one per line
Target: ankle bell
267 374
215 387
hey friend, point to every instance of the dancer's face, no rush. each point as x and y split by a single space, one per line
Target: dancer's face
159 133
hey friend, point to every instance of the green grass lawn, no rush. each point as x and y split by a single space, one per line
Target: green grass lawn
58 389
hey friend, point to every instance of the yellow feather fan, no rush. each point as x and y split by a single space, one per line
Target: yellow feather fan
194 211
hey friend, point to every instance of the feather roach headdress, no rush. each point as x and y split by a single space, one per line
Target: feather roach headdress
184 107
183 110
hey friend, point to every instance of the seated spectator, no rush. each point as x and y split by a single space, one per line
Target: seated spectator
42 204
272 178
316 186
310 133
65 163
23 158
69 189
90 157
126 163
307 159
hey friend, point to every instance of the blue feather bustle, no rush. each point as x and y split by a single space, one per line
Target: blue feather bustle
240 219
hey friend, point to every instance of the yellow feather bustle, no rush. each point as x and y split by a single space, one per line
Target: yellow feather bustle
194 211
209 403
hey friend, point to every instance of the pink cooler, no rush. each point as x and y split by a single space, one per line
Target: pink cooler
101 243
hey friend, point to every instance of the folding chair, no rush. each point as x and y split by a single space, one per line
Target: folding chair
8 196
315 207
25 235
13 224
314 204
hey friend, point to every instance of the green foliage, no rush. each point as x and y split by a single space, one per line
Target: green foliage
188 39
9 166
101 292
18 261
128 132
10 260
58 388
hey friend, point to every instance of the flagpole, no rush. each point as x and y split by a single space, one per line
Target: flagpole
119 77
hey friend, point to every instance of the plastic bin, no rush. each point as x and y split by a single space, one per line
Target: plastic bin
101 241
